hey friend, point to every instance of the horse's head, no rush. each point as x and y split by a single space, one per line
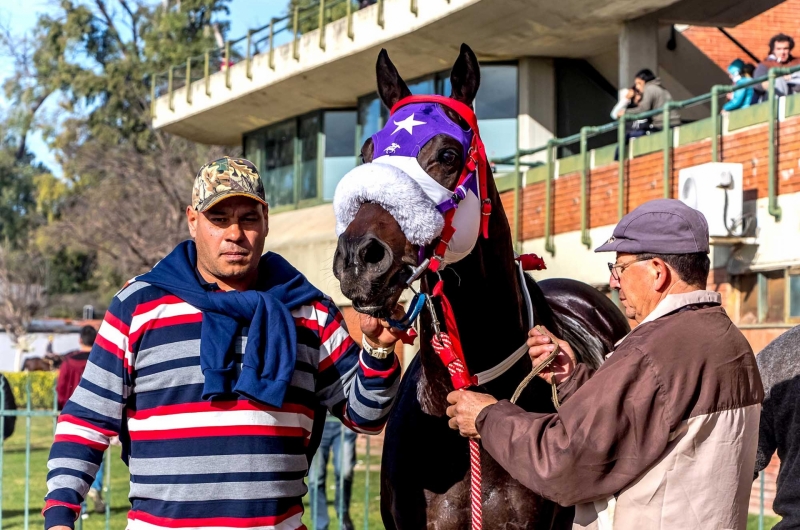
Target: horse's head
389 210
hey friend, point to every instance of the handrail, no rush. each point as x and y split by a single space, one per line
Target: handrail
587 132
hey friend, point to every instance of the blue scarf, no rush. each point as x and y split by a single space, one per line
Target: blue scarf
271 351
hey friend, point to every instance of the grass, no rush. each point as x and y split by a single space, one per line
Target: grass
13 507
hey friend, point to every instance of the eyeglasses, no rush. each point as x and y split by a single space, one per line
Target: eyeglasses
616 269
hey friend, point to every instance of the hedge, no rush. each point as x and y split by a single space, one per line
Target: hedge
42 388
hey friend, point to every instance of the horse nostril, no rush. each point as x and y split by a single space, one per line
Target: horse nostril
372 253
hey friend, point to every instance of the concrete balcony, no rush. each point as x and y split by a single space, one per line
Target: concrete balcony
340 70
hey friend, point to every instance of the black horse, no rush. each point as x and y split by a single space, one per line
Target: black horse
425 471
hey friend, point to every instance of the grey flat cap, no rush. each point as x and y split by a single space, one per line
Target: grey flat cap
661 226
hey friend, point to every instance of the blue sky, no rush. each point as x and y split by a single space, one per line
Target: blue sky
22 17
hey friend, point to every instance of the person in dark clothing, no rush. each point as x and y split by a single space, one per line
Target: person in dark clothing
780 54
9 422
69 376
73 365
779 430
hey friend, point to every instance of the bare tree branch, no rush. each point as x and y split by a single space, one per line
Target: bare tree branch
112 28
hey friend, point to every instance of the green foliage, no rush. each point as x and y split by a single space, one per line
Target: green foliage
18 214
71 271
42 388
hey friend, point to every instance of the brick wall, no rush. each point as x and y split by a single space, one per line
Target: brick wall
753 34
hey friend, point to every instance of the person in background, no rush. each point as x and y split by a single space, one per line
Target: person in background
738 99
749 70
653 96
780 54
9 403
69 376
779 429
342 442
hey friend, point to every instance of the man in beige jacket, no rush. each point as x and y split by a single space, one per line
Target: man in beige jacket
663 435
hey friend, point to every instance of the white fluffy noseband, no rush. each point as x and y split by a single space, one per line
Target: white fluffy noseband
397 192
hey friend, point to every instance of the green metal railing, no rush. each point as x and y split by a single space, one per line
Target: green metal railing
257 41
619 125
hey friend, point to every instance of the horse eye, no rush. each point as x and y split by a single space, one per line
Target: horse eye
448 156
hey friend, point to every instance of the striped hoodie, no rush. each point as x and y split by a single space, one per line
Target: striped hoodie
206 464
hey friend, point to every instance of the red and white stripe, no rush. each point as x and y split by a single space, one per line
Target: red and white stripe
289 521
72 429
166 311
334 338
210 419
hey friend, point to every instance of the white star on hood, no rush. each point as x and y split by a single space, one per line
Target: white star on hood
408 124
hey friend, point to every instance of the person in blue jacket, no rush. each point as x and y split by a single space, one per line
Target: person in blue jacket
741 98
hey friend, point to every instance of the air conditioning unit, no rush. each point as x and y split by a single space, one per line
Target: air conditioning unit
715 189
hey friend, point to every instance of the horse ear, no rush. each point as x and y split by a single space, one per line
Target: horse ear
465 78
391 87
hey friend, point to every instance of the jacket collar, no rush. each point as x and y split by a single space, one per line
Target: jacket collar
674 302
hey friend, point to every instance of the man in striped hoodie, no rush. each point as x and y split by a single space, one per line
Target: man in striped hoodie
214 368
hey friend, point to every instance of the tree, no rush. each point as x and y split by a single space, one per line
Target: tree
125 185
22 293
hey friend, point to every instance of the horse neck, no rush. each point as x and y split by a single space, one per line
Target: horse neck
484 292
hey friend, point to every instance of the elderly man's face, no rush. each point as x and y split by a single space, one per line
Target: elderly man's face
230 240
637 282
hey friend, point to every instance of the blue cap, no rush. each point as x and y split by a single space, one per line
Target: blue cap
661 226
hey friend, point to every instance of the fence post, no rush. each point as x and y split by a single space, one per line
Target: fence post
3 383
249 66
774 209
517 200
715 123
189 80
622 150
169 88
761 501
107 457
366 489
350 19
414 8
585 237
322 25
227 63
380 13
27 450
667 131
548 227
272 44
206 72
296 29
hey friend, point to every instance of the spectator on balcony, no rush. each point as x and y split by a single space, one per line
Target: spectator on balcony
779 429
653 96
780 55
738 99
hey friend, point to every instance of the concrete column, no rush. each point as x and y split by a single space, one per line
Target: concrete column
537 103
638 48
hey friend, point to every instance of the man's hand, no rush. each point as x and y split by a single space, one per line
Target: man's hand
464 409
378 332
540 346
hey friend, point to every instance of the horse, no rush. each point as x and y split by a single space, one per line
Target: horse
425 471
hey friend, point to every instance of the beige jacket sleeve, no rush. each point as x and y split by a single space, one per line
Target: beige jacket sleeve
608 431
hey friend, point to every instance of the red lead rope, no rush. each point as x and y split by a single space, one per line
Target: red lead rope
448 348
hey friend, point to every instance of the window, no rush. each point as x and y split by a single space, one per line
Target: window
769 297
340 139
302 160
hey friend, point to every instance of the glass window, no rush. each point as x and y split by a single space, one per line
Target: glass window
794 295
340 137
278 171
424 86
775 296
496 108
308 153
254 149
748 303
371 116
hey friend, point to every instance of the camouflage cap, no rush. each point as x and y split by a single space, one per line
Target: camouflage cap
226 177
